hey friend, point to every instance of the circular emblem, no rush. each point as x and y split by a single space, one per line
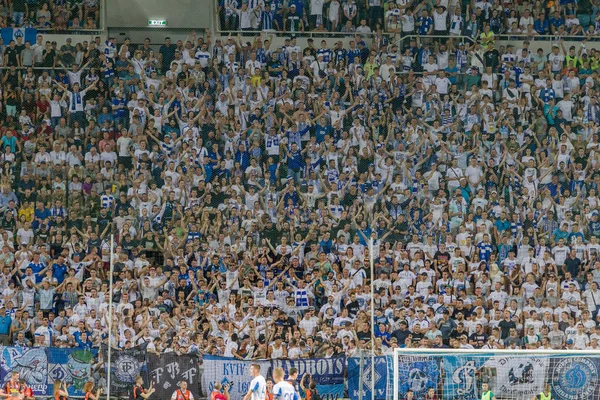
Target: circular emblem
127 369
575 378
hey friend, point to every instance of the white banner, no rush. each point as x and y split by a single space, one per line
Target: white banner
230 370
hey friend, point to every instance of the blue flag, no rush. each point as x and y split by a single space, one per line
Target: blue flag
28 34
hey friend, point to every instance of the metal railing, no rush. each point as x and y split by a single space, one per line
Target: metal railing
304 34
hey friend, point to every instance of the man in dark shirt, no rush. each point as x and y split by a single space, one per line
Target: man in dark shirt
19 46
11 56
417 335
572 264
446 325
353 306
506 325
402 333
459 331
491 57
442 256
167 54
478 338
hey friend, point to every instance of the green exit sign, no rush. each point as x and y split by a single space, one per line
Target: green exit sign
157 22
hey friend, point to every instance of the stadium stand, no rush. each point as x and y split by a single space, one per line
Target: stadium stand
243 181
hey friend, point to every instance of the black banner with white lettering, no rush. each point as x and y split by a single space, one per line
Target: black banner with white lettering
168 369
125 366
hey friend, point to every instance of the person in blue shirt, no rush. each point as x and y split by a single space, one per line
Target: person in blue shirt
575 234
59 269
37 266
242 156
594 225
541 25
10 140
295 162
381 331
119 109
550 111
322 129
425 23
84 341
452 71
502 224
485 248
5 323
556 22
561 233
105 116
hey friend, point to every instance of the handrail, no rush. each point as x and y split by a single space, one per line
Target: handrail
524 36
503 37
77 31
295 33
461 38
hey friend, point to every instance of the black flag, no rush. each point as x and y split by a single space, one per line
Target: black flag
168 369
125 366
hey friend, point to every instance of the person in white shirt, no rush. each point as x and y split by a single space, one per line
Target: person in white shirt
282 390
76 101
258 385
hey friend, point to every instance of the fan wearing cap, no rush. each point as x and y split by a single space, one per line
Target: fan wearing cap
293 21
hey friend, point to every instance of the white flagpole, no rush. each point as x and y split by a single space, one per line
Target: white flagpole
110 316
372 266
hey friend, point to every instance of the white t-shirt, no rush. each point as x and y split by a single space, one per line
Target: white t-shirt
284 391
258 386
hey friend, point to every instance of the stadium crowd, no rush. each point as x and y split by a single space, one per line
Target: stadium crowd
244 185
50 15
408 17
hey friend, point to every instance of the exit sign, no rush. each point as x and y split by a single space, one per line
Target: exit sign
157 22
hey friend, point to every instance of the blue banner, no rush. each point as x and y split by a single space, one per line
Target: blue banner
461 373
71 366
28 35
328 373
575 378
383 371
30 363
417 373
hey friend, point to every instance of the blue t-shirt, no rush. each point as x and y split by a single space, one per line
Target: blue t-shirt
59 271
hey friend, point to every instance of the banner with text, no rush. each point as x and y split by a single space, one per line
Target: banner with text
71 366
168 369
230 371
30 363
328 373
126 365
518 376
575 378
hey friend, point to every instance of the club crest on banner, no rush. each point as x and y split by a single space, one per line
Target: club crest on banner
127 368
575 378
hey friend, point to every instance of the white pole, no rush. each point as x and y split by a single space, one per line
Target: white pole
110 315
372 265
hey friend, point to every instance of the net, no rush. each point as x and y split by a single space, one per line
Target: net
460 374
